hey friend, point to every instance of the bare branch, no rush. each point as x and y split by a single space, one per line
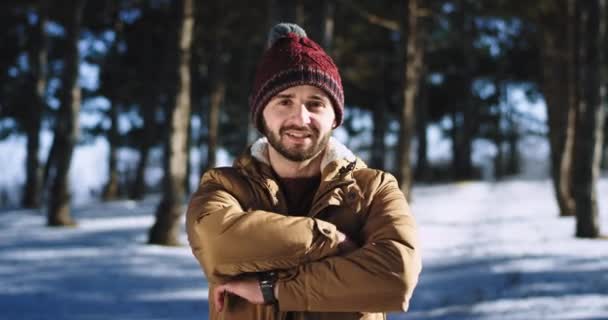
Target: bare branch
372 18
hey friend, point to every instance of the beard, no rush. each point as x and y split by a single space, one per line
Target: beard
297 153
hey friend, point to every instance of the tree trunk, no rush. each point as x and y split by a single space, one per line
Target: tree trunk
110 190
166 228
499 159
217 66
422 108
188 158
38 57
498 134
558 88
378 145
284 11
217 97
329 10
321 26
590 117
468 124
247 66
138 189
422 160
456 137
604 165
300 12
513 166
66 129
412 66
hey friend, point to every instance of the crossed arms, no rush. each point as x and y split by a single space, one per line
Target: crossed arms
229 241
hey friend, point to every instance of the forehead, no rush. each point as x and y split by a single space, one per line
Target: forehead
303 91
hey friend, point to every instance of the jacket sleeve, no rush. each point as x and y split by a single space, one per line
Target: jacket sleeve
228 241
378 277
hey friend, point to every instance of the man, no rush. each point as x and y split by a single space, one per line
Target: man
299 228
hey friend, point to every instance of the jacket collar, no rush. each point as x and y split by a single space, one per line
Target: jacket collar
338 161
335 151
337 167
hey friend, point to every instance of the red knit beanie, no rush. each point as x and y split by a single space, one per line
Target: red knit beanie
292 59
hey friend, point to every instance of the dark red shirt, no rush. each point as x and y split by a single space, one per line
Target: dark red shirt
299 193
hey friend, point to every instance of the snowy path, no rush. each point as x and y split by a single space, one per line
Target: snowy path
100 270
491 251
499 252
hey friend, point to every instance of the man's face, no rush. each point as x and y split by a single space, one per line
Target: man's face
298 122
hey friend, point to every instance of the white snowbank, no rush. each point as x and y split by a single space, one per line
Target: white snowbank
490 251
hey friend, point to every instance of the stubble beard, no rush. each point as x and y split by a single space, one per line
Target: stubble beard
297 154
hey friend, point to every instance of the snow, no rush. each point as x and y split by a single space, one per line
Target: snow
490 251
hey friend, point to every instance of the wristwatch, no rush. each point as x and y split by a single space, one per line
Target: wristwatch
267 281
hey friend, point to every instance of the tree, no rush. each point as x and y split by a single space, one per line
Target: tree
66 126
115 88
148 56
590 115
412 69
286 11
320 25
37 57
217 69
166 227
559 89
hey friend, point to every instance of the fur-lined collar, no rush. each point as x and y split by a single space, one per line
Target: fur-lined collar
335 151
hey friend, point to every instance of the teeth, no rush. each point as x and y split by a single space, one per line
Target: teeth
297 135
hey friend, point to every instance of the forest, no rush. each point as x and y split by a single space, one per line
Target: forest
175 76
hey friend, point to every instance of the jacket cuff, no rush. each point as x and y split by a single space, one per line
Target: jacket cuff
292 296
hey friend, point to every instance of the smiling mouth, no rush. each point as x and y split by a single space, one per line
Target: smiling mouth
298 135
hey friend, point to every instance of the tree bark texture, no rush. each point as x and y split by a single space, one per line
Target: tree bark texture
38 59
412 67
590 116
165 230
558 87
66 127
110 190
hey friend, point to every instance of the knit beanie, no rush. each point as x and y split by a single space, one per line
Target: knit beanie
292 59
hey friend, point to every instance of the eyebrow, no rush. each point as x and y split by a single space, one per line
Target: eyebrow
283 96
291 96
317 97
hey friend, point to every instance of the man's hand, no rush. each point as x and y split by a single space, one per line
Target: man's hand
248 289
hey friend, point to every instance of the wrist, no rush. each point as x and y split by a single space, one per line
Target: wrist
267 282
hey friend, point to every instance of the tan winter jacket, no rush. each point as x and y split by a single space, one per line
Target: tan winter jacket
238 223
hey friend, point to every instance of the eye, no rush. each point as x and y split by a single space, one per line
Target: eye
285 102
315 104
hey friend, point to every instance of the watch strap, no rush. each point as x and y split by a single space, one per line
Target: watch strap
267 281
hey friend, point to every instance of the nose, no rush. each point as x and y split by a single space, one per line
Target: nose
301 115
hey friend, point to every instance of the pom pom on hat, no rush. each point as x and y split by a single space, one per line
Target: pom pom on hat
292 59
281 30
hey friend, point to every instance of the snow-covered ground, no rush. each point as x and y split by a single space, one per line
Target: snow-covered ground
490 251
